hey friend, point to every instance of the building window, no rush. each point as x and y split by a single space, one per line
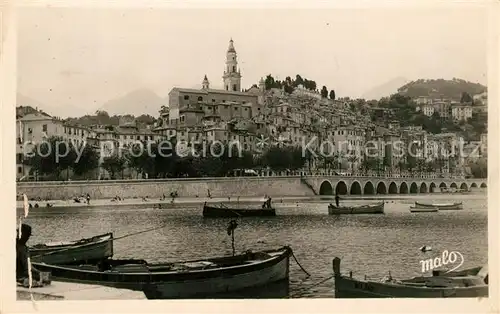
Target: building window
213 100
186 97
19 170
234 87
227 87
44 128
200 98
234 68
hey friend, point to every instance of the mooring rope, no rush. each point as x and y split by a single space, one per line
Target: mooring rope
305 271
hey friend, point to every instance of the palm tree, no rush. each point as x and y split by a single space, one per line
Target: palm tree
352 159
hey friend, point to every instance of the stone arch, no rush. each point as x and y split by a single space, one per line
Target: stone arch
413 188
432 187
393 188
483 185
473 185
326 188
464 186
381 188
341 188
423 188
369 189
442 185
403 189
355 188
453 185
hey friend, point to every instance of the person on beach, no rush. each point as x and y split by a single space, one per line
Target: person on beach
88 199
22 254
337 200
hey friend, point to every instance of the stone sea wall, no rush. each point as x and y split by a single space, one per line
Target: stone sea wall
219 187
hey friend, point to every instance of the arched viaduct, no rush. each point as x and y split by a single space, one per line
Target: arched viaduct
330 185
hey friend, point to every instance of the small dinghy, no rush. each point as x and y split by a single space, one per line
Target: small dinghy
414 209
470 283
189 279
377 208
443 206
223 211
87 250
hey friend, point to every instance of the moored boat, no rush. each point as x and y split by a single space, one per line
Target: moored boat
443 206
224 211
414 209
190 279
87 250
465 284
377 208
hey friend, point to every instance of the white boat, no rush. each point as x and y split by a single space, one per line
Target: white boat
441 206
470 283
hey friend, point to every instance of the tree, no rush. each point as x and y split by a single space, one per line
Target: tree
284 158
114 164
324 92
479 169
332 94
88 161
466 98
52 156
298 80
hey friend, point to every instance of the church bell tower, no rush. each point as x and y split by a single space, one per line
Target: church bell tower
232 75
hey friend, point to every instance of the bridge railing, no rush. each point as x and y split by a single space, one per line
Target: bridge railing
277 175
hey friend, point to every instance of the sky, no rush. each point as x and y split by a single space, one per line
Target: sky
83 57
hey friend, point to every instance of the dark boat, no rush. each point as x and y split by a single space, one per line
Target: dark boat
223 211
414 209
377 208
444 206
469 283
190 279
85 250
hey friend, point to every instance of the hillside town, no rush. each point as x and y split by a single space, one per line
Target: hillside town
282 127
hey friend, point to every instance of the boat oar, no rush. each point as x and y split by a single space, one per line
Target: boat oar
139 232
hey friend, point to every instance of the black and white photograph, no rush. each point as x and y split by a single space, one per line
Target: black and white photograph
252 152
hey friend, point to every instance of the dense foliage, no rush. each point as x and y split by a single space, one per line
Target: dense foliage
452 89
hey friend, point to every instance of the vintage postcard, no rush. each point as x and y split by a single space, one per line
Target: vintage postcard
228 152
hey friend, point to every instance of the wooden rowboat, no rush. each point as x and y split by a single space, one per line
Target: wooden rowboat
363 209
190 279
223 211
72 252
414 209
444 206
465 284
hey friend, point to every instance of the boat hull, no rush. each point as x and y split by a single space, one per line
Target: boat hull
351 288
454 206
91 250
185 284
221 212
366 209
210 287
423 210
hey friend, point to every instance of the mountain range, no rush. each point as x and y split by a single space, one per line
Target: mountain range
136 103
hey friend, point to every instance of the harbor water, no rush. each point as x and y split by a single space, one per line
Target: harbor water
371 245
